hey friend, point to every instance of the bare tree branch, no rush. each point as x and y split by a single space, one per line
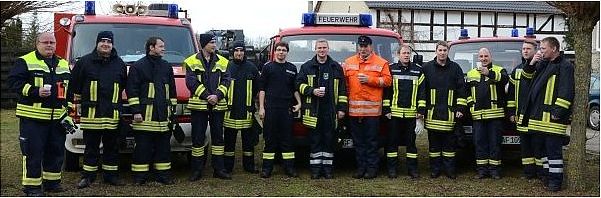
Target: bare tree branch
11 9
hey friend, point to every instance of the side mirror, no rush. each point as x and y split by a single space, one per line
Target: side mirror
418 59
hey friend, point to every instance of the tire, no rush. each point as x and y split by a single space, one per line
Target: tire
593 118
72 161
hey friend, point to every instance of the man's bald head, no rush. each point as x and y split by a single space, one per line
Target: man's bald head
46 44
484 56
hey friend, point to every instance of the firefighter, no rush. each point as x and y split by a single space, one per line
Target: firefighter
518 89
276 89
98 79
445 101
241 99
321 83
405 112
208 81
152 98
547 107
487 101
40 79
367 75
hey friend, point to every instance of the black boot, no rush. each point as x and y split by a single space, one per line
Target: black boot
370 174
140 178
249 164
33 191
228 163
112 178
164 177
359 173
267 168
449 163
327 172
221 174
315 170
289 168
197 165
392 164
84 183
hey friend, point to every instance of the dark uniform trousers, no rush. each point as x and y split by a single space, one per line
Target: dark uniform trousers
548 148
249 140
442 150
365 138
401 130
322 144
277 133
155 147
487 140
527 152
43 148
110 153
200 121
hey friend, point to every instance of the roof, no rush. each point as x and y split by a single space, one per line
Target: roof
498 6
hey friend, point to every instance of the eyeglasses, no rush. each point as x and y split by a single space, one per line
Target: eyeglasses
47 42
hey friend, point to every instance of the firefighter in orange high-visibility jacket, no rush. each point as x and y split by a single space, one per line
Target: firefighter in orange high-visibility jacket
367 74
487 100
152 98
41 81
548 106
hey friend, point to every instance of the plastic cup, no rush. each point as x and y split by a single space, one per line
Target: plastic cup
47 87
322 89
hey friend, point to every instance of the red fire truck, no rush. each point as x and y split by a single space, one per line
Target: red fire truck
506 52
131 26
341 31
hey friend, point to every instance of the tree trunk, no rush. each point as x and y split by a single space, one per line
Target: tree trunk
575 164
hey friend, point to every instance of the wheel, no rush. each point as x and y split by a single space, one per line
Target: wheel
71 161
593 118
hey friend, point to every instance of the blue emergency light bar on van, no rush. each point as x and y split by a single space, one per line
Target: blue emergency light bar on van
312 19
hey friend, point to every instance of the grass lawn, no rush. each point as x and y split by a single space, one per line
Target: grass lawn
244 184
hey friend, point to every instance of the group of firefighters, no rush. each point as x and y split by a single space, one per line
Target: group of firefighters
223 92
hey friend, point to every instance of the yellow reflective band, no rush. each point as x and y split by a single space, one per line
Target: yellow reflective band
563 103
414 94
432 97
289 155
110 167
51 175
223 89
448 154
201 88
25 91
151 126
162 166
336 96
249 92
493 96
411 155
230 95
530 160
421 103
494 162
217 150
303 87
549 91
268 156
90 168
140 167
247 153
421 79
511 103
167 92
394 154
115 93
173 101
133 101
481 162
461 101
149 111
309 120
93 91
450 98
395 93
344 99
229 154
198 151
436 154
38 81
26 180
40 113
151 90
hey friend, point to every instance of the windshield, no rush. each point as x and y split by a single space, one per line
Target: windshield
129 40
302 47
505 54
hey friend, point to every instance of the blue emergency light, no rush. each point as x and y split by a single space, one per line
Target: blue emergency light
90 8
312 19
514 32
530 32
463 34
172 11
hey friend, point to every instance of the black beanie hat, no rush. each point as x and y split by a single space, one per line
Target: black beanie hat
205 38
104 35
238 44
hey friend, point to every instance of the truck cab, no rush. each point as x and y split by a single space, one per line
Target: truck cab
131 25
341 31
507 53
